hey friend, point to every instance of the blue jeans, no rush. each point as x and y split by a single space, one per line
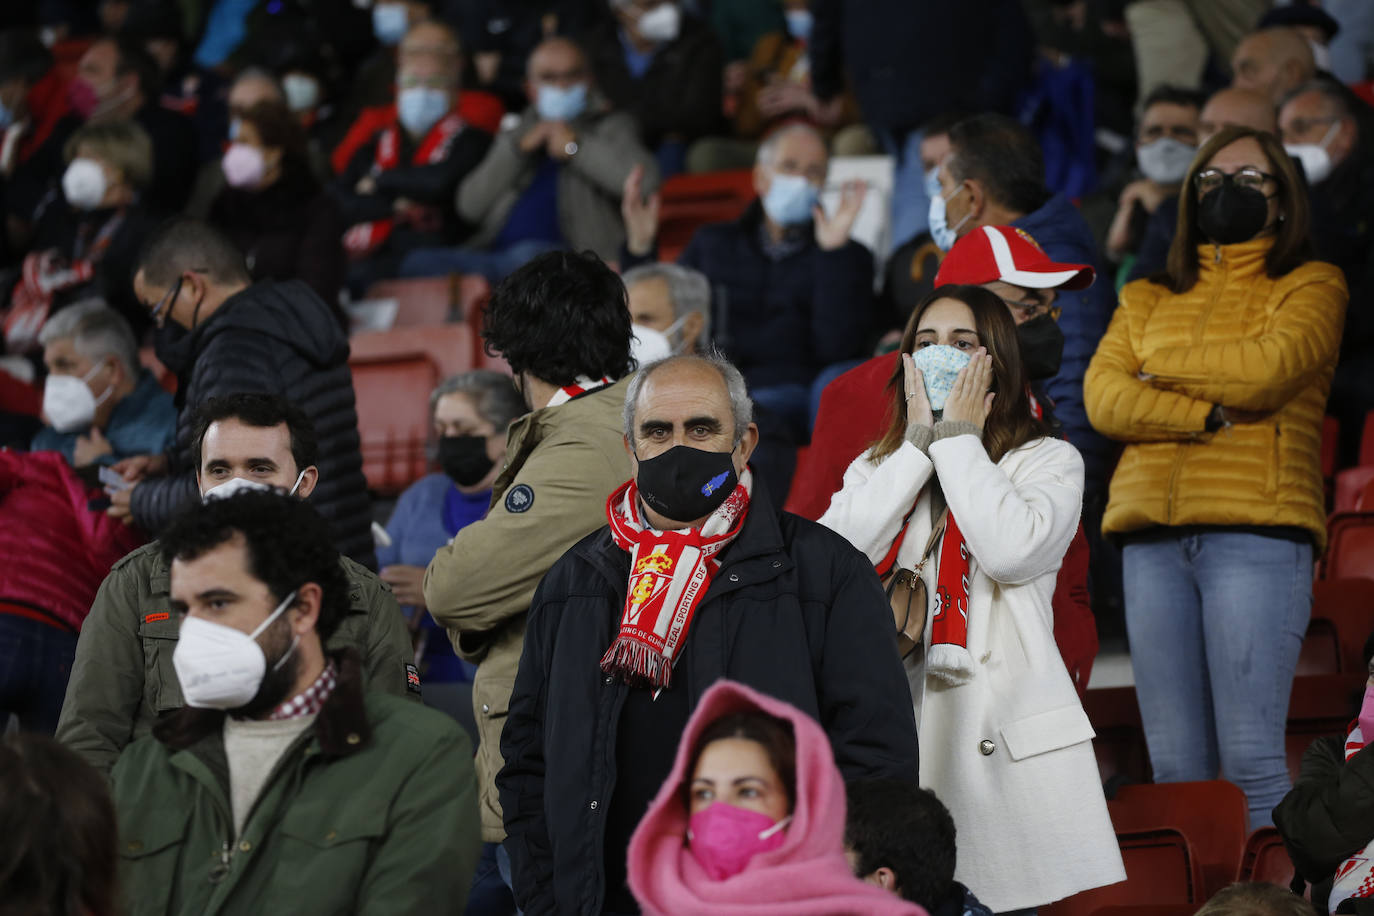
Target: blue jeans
1216 621
493 265
490 894
35 663
910 205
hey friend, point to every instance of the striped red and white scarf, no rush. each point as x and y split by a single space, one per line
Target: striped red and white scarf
1355 877
670 573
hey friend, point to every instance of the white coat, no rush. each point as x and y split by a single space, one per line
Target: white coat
1009 752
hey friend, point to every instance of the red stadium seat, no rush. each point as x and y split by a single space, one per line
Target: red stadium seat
1367 440
1266 859
392 395
1320 705
420 301
1120 737
690 201
1160 869
1321 649
448 346
1348 605
1212 815
1350 546
1331 436
1352 487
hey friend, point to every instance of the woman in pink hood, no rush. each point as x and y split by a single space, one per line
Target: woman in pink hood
751 820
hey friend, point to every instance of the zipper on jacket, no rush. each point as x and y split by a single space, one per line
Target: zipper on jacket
1217 259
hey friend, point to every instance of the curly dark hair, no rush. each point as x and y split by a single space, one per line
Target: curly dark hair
896 824
288 543
262 411
560 316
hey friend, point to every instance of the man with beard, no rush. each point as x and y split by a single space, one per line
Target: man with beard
283 779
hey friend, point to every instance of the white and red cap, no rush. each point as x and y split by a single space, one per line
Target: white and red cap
1005 253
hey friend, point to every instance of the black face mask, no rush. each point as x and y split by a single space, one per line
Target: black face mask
1232 214
685 483
1042 347
464 459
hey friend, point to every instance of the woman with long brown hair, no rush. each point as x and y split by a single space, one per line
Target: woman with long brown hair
1215 374
968 499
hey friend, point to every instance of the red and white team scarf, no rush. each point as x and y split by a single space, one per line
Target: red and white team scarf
365 238
1355 877
581 386
670 573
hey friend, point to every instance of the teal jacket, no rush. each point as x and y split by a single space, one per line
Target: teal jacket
373 810
144 423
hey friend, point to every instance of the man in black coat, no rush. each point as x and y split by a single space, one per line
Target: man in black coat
630 627
221 334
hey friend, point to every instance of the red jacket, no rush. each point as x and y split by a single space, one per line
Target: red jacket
57 549
852 416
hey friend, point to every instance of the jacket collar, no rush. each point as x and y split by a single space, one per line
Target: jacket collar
1240 256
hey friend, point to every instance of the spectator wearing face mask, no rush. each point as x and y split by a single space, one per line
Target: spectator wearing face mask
87 237
664 67
391 21
101 405
673 300
275 210
1166 141
793 293
1326 128
396 192
554 180
122 678
30 104
469 413
251 87
305 782
1214 375
1273 62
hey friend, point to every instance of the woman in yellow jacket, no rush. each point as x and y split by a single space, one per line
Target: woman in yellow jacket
1215 374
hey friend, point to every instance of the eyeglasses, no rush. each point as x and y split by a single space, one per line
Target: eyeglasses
1032 309
1211 179
167 299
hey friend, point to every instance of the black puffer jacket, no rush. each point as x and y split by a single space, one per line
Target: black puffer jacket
275 338
1328 816
794 611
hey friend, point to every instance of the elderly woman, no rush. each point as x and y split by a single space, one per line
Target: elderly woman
87 238
470 412
1215 374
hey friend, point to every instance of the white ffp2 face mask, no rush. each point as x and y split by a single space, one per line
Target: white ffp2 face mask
83 184
237 484
220 667
68 403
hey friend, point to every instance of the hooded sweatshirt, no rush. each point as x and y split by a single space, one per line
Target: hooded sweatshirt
806 876
270 338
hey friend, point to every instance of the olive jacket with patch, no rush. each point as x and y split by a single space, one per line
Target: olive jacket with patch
562 463
372 810
122 677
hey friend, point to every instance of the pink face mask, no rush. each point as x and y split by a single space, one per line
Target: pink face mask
83 97
244 166
724 838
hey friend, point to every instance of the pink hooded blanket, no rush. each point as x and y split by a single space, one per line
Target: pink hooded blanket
807 876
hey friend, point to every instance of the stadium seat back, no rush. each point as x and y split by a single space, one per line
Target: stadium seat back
692 201
1120 738
1321 649
1212 814
1350 546
392 396
1160 869
448 346
420 301
1352 486
1266 859
1347 607
1319 705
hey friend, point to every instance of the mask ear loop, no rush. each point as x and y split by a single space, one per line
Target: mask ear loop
297 485
295 639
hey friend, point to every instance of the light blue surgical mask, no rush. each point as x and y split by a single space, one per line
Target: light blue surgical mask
790 200
940 366
389 23
932 181
555 103
235 128
420 107
799 24
940 231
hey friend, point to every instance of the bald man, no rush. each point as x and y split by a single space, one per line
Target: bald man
553 180
1273 62
1226 108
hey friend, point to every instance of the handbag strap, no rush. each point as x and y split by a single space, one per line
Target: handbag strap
889 560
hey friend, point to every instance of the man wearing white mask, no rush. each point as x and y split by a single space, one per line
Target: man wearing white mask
100 404
1166 142
396 192
304 784
793 293
123 678
665 68
672 300
552 180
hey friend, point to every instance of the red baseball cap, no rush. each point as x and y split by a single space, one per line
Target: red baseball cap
1006 253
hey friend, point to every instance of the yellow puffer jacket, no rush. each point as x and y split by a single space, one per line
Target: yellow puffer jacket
1239 339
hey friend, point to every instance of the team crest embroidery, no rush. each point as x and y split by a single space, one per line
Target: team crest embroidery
1026 236
652 575
520 498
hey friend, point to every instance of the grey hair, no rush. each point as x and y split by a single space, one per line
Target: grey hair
1334 93
741 408
96 331
492 393
688 290
768 149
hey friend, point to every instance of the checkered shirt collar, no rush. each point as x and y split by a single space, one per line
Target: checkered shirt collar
310 700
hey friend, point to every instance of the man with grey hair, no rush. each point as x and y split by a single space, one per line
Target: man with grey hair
696 577
793 293
673 300
100 404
